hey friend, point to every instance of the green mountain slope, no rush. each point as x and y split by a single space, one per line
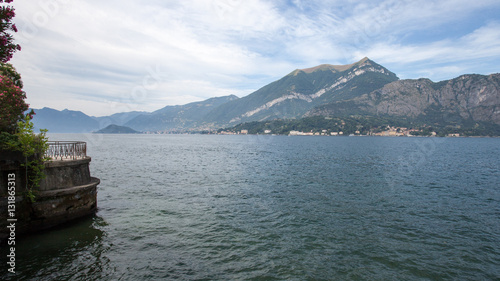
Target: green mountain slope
303 89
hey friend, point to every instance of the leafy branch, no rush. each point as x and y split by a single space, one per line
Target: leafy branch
33 147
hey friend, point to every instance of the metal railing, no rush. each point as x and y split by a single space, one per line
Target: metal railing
61 150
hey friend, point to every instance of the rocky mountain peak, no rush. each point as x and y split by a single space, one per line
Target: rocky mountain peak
334 68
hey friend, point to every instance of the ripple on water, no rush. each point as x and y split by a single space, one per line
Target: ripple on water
281 208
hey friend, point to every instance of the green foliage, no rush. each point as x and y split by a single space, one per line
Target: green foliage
16 129
33 147
8 70
31 144
7 141
7 46
12 98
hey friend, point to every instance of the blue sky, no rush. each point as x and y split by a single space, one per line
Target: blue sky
104 57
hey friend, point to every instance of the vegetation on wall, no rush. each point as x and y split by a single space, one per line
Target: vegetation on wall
33 147
16 128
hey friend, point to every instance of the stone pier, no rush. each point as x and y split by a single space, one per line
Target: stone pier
66 193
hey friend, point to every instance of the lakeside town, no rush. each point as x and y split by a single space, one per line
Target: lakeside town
389 132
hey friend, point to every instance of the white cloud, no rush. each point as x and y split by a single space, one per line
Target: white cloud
443 59
95 56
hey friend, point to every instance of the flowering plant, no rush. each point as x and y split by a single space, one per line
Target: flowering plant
7 46
12 103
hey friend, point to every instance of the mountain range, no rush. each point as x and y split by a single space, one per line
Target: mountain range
362 88
468 98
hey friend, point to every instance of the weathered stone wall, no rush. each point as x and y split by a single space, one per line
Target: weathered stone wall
67 192
65 173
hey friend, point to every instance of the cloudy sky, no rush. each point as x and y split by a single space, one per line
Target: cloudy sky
103 57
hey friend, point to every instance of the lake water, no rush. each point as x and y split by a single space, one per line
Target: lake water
200 207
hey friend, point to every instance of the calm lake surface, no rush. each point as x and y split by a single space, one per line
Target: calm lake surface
199 207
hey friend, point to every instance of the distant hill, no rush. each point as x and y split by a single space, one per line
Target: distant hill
179 117
65 121
115 129
169 118
118 118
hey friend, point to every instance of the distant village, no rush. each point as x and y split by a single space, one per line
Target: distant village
389 132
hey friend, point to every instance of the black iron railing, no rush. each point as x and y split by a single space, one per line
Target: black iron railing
61 150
